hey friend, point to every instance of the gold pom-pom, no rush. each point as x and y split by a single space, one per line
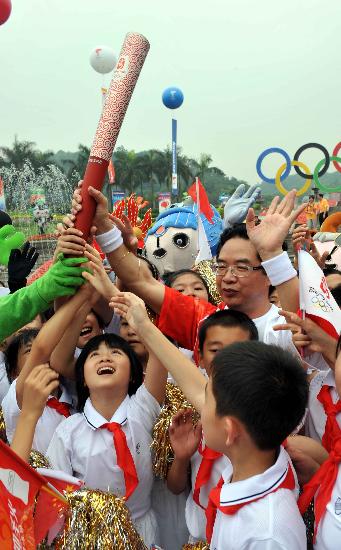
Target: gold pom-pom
162 450
204 268
3 435
98 520
201 545
38 460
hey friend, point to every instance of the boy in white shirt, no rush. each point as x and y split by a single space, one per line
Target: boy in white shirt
255 398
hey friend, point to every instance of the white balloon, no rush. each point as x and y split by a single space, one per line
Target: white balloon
103 59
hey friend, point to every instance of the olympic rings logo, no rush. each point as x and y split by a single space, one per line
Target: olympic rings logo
284 170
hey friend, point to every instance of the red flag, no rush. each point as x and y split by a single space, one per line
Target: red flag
111 171
49 512
204 203
19 485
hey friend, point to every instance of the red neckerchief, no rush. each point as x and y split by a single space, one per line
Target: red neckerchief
332 430
124 458
214 501
324 479
205 470
59 406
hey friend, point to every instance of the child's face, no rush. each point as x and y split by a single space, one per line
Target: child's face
107 368
130 336
190 285
90 329
212 425
23 353
217 338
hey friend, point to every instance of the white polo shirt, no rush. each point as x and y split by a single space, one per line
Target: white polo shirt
316 419
271 523
46 424
80 449
329 530
195 516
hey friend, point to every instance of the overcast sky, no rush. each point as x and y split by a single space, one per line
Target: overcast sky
254 74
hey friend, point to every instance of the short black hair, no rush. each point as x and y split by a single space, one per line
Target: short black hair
311 196
336 292
112 341
236 231
321 195
21 339
227 318
263 386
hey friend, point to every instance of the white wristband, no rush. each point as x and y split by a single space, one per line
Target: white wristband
279 269
110 241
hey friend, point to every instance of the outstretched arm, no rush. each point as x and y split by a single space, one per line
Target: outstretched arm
39 384
134 274
186 374
18 309
48 338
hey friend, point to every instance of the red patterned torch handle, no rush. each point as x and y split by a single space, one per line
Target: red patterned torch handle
128 68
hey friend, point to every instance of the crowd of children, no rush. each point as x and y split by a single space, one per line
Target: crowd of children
261 438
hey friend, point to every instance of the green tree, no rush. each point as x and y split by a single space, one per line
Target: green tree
129 169
75 168
23 151
201 167
152 166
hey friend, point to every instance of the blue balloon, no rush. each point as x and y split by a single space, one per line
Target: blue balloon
172 97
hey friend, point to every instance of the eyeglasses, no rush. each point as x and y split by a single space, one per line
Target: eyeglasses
240 270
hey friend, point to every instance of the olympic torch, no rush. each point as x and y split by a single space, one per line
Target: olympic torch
128 68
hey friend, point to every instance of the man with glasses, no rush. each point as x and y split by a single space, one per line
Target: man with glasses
241 279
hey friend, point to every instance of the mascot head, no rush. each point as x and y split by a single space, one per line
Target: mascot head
171 244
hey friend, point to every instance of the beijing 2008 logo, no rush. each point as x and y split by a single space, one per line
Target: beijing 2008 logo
284 170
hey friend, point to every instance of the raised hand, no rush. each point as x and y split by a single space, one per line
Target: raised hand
308 335
131 308
70 243
20 265
184 437
129 239
238 205
97 276
39 384
301 238
269 235
10 239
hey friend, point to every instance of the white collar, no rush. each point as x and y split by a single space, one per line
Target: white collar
96 420
65 396
254 487
329 380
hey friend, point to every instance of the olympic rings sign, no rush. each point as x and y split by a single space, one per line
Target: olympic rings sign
284 170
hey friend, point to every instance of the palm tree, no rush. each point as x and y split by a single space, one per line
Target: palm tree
184 169
77 166
129 169
152 166
24 151
201 167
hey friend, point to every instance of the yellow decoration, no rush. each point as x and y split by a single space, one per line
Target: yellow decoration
162 450
98 521
280 171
